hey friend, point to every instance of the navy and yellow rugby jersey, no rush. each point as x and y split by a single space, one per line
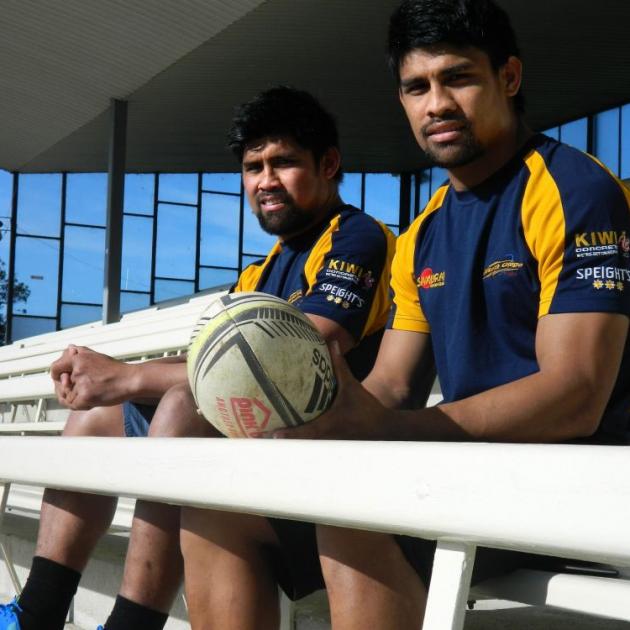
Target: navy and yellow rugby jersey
339 270
548 233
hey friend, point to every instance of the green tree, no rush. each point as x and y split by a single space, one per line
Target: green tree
21 292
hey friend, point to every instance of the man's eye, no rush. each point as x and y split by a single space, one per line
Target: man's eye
415 89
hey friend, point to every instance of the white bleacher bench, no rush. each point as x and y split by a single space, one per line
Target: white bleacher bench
26 389
27 392
569 501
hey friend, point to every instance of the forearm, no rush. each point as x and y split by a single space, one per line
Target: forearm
152 379
536 408
389 394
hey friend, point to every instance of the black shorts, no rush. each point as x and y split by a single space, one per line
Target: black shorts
296 562
491 563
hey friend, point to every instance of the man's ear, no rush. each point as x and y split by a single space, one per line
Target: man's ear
330 162
511 74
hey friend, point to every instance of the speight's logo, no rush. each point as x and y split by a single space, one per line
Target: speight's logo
429 280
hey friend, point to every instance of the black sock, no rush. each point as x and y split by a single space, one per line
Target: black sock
128 615
47 595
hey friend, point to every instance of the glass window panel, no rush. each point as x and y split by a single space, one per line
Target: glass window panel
39 205
424 181
394 228
83 265
29 326
219 230
625 142
553 132
6 193
136 253
249 260
209 278
86 198
178 187
382 196
37 265
439 176
575 133
221 182
75 315
606 138
255 239
176 236
350 189
170 289
139 193
133 301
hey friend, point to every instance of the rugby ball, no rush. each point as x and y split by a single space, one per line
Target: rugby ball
256 363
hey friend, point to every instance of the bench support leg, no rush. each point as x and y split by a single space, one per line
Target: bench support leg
5 487
450 583
287 612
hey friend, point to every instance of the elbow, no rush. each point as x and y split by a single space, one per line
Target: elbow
588 413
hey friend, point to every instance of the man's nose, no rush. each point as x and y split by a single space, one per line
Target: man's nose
268 179
440 101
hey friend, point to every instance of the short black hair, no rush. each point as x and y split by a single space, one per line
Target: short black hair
461 23
284 111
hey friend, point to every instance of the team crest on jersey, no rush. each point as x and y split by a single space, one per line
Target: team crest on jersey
295 296
507 266
428 279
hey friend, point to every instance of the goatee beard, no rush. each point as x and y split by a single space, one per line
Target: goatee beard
291 220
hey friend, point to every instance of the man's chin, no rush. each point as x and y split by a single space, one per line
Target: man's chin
453 156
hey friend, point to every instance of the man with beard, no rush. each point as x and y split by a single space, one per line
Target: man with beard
332 262
517 273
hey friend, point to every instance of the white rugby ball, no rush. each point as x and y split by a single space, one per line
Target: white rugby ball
256 363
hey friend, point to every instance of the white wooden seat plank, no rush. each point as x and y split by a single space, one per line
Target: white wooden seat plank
32 428
594 595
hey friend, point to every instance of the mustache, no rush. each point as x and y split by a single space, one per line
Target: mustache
428 129
282 197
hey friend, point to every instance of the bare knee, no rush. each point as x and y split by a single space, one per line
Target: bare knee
99 422
228 530
177 416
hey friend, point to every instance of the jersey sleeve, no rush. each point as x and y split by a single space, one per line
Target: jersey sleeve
406 313
347 274
577 225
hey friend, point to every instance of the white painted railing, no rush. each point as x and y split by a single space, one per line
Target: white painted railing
571 501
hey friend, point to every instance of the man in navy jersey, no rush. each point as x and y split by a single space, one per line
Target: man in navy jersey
332 262
517 273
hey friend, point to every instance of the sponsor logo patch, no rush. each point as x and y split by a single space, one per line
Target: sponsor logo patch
341 296
250 414
428 279
608 278
604 243
351 272
505 266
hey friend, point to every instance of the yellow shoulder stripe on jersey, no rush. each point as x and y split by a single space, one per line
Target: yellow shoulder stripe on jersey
542 216
408 314
249 279
315 260
379 312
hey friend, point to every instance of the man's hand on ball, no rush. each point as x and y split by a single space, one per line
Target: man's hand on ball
85 379
354 415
